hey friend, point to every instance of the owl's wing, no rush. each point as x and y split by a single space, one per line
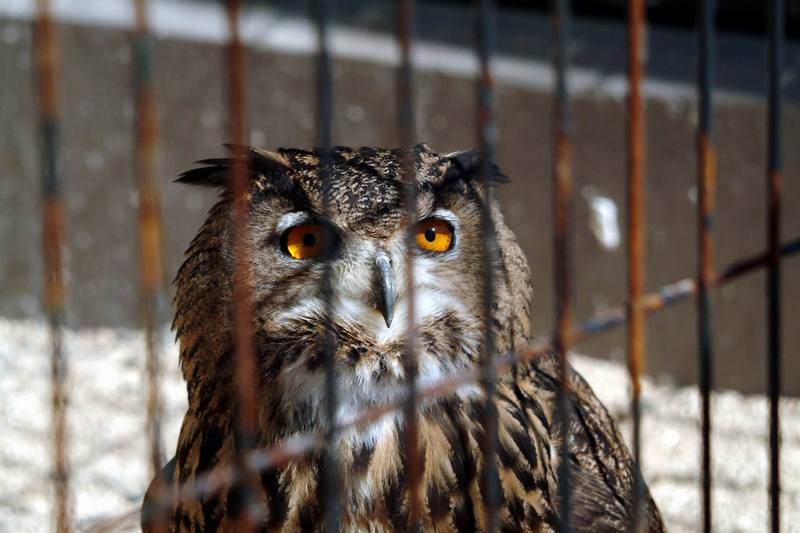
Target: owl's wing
602 467
151 507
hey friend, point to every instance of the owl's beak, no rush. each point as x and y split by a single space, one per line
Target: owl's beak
386 293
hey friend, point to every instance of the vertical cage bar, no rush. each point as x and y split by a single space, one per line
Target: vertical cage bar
706 189
324 93
246 366
48 75
407 128
487 137
151 270
637 42
562 190
775 184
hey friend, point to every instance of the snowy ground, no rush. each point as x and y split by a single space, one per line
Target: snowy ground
107 447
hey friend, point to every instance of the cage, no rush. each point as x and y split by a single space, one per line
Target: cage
637 174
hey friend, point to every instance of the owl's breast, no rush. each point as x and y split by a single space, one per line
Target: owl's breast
376 484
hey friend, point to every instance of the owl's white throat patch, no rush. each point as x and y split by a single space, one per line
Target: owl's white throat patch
374 381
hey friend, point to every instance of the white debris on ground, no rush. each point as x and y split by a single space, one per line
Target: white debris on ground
106 422
671 450
107 446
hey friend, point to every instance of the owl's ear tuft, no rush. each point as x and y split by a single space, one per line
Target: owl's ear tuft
262 165
466 166
213 174
272 168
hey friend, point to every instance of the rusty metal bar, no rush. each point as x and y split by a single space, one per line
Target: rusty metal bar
151 269
331 503
300 445
706 191
637 168
48 76
407 129
246 365
562 196
487 138
776 26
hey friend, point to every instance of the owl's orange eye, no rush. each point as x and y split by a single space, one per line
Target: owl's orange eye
434 235
306 241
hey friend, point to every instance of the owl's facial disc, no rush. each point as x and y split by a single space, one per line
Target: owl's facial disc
305 239
368 276
369 311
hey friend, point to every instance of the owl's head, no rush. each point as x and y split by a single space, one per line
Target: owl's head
360 239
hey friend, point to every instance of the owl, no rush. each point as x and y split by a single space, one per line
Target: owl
360 239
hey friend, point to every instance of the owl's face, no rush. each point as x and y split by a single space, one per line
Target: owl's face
361 242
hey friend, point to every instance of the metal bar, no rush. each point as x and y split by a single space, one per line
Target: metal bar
302 444
775 185
48 76
487 137
331 499
636 229
706 187
246 366
562 191
407 128
151 270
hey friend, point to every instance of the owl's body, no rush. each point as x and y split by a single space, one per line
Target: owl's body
365 233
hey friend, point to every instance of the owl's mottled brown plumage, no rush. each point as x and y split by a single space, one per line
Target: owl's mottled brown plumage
366 213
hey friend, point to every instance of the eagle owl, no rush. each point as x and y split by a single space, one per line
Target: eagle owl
362 239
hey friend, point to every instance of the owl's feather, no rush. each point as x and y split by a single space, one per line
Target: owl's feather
367 213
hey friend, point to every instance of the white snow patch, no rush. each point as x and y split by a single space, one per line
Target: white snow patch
107 447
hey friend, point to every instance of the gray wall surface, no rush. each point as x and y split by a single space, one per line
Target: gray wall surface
101 194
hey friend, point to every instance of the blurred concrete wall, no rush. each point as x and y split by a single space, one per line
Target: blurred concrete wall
102 200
